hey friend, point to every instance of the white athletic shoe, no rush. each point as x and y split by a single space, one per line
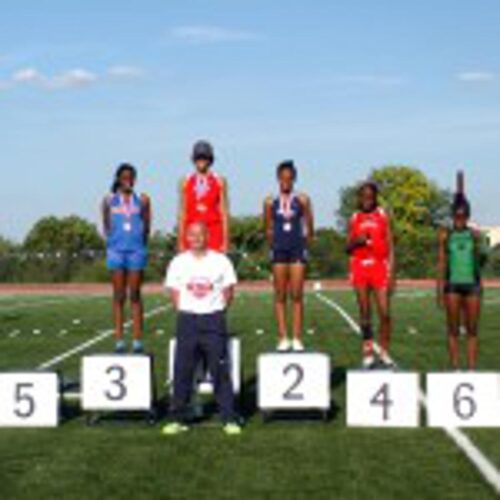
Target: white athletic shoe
283 345
297 345
369 362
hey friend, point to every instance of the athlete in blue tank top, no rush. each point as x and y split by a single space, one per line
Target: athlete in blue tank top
289 229
289 241
127 222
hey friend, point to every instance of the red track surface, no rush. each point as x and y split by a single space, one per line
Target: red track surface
150 288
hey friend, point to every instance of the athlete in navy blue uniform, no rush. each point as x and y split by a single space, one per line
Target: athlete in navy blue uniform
289 228
127 222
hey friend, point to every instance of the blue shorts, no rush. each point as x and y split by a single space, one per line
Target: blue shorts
296 255
126 260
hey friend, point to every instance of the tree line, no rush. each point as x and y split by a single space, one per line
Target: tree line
71 249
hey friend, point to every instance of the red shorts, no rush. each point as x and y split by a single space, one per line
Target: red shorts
215 238
370 273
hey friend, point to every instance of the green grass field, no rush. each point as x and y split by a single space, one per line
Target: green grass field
281 459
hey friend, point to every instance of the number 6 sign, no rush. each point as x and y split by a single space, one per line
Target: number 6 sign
293 381
463 399
116 383
29 399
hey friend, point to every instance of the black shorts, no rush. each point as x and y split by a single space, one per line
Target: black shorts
289 256
470 290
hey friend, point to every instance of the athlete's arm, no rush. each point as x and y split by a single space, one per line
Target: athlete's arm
354 242
392 255
147 216
268 219
174 297
181 216
105 214
228 293
442 265
309 217
224 208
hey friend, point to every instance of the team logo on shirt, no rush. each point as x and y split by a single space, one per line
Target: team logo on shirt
200 287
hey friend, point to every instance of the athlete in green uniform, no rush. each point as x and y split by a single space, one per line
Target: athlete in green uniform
462 253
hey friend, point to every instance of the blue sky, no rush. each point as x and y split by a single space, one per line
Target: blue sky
340 86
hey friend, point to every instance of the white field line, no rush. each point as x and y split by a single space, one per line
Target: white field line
94 340
485 467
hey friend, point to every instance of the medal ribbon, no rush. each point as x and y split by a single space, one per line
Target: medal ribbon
286 205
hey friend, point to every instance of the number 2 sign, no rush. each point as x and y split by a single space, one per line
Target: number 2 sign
293 381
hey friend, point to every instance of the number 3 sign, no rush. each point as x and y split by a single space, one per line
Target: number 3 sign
115 383
293 381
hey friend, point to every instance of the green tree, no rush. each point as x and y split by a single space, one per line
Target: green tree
8 260
417 207
249 247
58 248
327 255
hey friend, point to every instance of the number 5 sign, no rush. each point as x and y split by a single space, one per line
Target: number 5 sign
294 381
463 399
116 383
29 399
382 399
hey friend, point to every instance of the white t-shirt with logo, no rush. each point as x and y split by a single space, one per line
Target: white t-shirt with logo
200 281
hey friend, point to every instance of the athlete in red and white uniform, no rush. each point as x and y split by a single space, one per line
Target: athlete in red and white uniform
204 199
370 248
369 263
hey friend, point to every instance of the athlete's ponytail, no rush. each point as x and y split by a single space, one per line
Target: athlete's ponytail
124 167
461 204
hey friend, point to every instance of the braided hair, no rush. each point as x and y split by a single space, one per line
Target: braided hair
124 167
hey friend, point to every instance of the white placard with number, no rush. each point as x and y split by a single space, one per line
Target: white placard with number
382 399
463 399
293 381
116 383
203 380
29 399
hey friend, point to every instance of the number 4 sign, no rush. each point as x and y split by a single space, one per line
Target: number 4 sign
382 399
29 399
463 399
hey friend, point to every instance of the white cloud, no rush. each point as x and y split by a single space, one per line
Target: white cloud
125 72
212 34
27 75
74 78
476 76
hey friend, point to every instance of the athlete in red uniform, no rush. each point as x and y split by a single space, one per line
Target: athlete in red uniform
203 198
372 270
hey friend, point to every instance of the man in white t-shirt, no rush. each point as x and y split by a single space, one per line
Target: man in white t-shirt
201 284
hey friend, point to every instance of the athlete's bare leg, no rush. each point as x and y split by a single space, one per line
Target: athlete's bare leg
297 277
383 301
135 285
365 316
119 281
472 310
453 302
280 280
